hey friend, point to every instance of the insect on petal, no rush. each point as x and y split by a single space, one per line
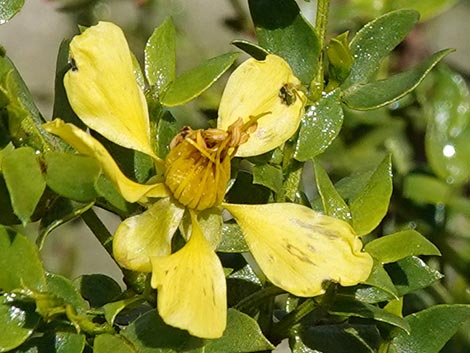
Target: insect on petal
191 287
268 89
102 87
298 249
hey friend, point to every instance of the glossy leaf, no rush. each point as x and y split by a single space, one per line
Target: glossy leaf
390 248
167 129
269 176
160 56
64 289
72 176
192 83
340 60
448 130
252 49
430 329
379 278
112 310
375 41
24 180
60 342
333 203
9 8
319 126
383 92
281 29
20 263
371 204
348 307
344 338
97 289
108 343
232 239
16 323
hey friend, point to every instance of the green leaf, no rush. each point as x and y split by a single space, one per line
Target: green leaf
350 307
111 310
62 108
7 215
239 327
448 130
427 189
160 56
282 30
20 263
340 60
269 176
167 129
60 342
333 203
383 92
252 49
112 199
111 344
430 329
8 9
97 289
24 180
192 83
232 239
411 274
17 323
379 278
375 41
64 289
336 339
426 8
320 125
371 204
390 248
72 176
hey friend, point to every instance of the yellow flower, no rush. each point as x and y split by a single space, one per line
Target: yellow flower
297 248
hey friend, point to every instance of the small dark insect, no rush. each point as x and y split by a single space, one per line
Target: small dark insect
287 94
73 64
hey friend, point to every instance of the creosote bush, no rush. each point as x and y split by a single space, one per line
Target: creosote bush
299 212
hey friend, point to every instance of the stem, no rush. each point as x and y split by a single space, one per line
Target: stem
321 22
282 329
99 230
258 297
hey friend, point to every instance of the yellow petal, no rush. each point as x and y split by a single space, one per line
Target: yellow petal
298 249
88 145
191 287
102 87
260 87
147 234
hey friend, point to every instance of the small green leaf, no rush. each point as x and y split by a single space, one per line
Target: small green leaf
320 125
232 239
64 289
411 274
167 129
281 29
430 329
350 307
60 342
111 344
370 206
160 56
390 248
269 176
375 41
98 289
17 323
72 176
252 49
333 203
192 83
448 130
380 279
426 8
383 92
24 180
112 199
340 60
239 327
9 8
427 189
20 263
111 310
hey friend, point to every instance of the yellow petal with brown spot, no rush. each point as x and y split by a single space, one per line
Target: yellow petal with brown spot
265 88
299 249
102 87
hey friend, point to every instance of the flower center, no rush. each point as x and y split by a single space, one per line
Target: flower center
198 164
